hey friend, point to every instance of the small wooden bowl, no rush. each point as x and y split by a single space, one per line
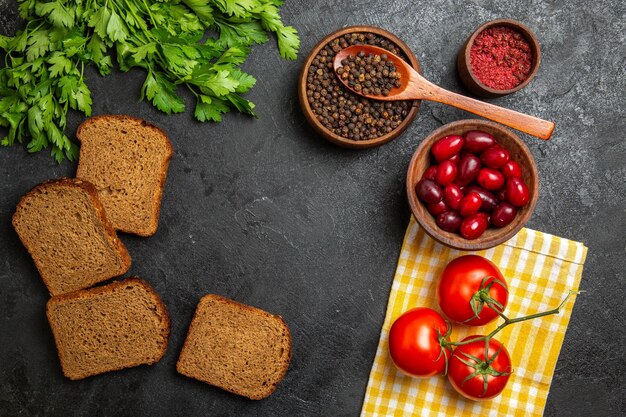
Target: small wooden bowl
464 60
317 125
519 153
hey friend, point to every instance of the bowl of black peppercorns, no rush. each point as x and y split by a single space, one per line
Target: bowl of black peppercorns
341 116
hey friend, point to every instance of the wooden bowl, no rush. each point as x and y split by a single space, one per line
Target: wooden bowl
519 153
464 61
317 125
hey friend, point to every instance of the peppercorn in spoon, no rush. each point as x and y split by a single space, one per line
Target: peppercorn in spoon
387 77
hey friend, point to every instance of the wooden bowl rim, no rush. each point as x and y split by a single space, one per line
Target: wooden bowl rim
455 240
321 129
530 37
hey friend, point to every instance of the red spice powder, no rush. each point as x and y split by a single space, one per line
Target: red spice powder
501 57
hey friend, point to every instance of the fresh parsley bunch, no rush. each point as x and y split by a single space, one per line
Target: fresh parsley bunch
43 73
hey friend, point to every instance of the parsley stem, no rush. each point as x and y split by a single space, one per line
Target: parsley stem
192 90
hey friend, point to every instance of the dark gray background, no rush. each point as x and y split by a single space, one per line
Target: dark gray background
267 213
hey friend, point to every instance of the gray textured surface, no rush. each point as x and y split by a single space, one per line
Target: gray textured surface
265 212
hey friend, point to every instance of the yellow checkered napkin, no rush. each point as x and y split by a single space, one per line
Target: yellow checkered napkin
539 268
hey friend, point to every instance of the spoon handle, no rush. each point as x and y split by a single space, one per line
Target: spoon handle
522 122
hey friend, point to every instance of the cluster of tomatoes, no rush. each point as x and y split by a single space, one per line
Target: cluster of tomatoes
471 292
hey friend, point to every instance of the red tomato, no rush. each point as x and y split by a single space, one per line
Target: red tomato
414 342
467 286
490 379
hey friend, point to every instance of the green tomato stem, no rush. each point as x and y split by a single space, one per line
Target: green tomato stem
508 321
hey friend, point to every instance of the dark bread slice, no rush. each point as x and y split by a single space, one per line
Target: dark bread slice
102 329
126 159
64 227
236 347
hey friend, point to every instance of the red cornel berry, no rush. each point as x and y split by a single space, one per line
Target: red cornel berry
450 221
495 157
490 179
503 214
447 147
430 173
477 141
511 169
517 192
446 173
428 191
472 183
437 208
470 204
452 195
468 169
474 226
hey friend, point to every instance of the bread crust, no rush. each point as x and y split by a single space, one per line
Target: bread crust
154 224
107 289
91 191
253 310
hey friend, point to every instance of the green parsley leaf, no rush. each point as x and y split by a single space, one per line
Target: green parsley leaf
99 21
57 13
83 98
59 65
178 60
233 56
238 8
96 49
241 104
288 42
4 42
116 28
246 81
202 9
208 108
218 83
162 93
73 43
235 34
19 42
35 121
38 44
68 85
144 50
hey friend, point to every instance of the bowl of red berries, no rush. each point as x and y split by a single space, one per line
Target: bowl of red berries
472 184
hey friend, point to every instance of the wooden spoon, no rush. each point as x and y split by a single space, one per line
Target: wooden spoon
416 87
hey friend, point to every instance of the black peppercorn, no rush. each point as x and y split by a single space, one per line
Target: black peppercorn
340 110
